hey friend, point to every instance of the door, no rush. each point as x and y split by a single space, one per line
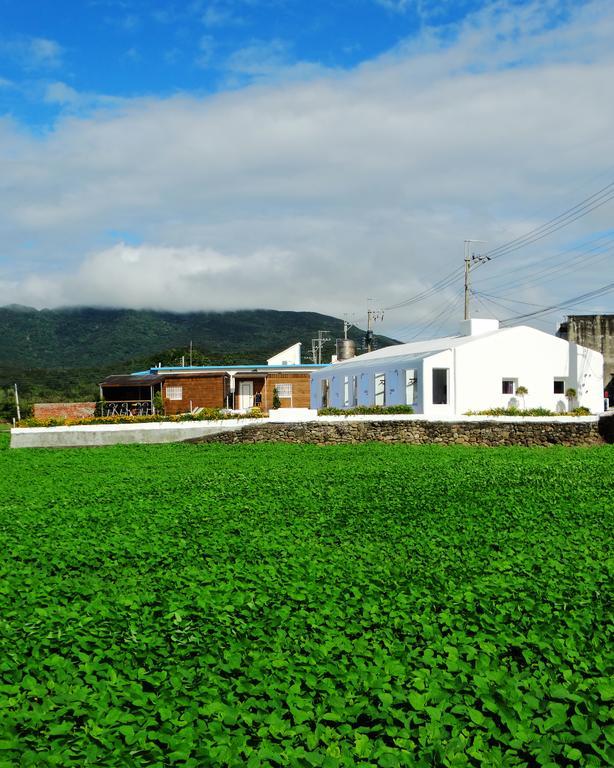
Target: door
246 394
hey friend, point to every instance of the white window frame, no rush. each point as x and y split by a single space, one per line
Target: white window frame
558 380
379 388
514 383
346 391
411 386
354 391
174 392
284 391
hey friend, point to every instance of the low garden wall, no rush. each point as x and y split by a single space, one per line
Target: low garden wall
332 430
91 435
545 432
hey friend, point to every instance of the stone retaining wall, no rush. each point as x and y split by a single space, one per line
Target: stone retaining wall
490 433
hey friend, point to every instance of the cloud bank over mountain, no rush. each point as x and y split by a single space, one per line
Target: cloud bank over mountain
316 188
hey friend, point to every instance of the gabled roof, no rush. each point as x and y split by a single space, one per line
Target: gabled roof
415 349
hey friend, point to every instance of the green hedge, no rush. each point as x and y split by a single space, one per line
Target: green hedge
581 411
366 410
207 414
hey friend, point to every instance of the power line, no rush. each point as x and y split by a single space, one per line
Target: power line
435 288
564 304
583 208
591 254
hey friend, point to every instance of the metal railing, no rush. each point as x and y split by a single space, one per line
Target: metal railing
127 408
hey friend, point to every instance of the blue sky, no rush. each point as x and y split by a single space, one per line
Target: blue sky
129 48
294 155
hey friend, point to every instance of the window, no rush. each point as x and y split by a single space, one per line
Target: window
354 390
324 393
346 390
174 393
380 389
284 391
559 387
440 386
508 386
410 386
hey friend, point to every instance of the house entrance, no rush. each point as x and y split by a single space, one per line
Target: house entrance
246 394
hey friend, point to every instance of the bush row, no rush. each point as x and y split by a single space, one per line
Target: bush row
207 414
366 410
580 411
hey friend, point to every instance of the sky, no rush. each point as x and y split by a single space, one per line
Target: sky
328 156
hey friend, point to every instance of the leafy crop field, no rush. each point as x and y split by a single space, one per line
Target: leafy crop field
276 605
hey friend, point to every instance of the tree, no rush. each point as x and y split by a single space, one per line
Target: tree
571 395
523 392
276 400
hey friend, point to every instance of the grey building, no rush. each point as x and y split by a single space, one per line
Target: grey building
595 332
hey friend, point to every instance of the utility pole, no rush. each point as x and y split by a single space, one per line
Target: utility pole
469 260
317 345
347 324
17 404
372 316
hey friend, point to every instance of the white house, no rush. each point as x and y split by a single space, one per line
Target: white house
481 368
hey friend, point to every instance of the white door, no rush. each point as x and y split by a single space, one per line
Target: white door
246 394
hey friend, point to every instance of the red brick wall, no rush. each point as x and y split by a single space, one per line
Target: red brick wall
300 390
64 410
203 391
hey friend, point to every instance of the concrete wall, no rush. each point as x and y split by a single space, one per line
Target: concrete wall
92 435
595 332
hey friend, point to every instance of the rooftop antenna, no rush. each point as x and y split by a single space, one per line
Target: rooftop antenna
469 260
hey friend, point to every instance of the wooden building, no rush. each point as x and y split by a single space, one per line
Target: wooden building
184 389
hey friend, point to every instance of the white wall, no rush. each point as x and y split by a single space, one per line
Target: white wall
534 359
289 356
476 370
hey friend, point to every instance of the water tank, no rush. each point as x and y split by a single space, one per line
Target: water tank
346 348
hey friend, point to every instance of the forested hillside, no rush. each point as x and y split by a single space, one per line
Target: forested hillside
62 354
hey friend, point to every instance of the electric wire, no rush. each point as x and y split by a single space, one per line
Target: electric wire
581 209
604 289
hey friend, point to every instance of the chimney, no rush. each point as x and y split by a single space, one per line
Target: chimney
477 326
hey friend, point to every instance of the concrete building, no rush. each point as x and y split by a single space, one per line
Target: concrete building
481 368
237 387
595 332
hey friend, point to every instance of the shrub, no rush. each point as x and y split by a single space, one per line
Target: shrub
367 410
513 412
207 414
581 410
276 400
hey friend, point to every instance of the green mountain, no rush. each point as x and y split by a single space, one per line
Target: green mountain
56 354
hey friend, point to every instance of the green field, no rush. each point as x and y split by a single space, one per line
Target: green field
278 605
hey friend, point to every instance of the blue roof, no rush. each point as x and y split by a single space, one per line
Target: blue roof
255 366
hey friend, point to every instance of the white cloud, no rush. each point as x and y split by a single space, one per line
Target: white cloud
206 51
317 193
60 93
33 53
220 16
